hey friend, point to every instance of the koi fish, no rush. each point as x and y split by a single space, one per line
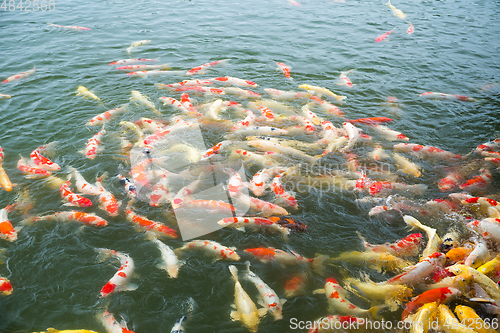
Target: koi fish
344 80
482 280
423 318
202 69
119 281
330 108
377 261
175 103
426 151
81 184
130 61
384 36
4 179
410 29
490 268
271 301
4 96
479 182
85 218
489 228
72 198
438 295
258 183
435 95
70 27
397 12
228 80
185 83
389 134
419 271
143 100
170 263
450 182
7 231
322 91
478 256
406 166
241 92
32 172
107 200
469 318
111 325
93 145
408 246
283 258
5 287
20 76
129 186
132 68
433 239
252 222
158 228
458 254
285 69
286 95
178 326
211 248
137 44
85 93
105 117
246 311
42 161
295 286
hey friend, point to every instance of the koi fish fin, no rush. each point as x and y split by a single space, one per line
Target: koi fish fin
235 316
240 229
162 266
375 311
262 311
318 264
365 243
319 291
128 287
493 213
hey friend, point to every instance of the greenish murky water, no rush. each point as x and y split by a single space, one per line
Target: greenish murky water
52 266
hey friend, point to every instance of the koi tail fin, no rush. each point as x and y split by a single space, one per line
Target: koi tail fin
234 272
388 3
103 254
375 311
318 264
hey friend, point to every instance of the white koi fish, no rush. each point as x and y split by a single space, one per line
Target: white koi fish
178 326
81 184
265 145
435 95
228 80
85 93
20 76
423 269
270 299
328 107
344 80
389 134
406 166
133 68
137 44
246 311
69 27
479 255
170 263
433 239
353 133
322 91
286 95
397 12
241 92
130 61
119 281
105 117
143 100
489 228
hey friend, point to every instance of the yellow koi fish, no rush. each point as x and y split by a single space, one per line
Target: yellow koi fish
86 93
397 12
322 91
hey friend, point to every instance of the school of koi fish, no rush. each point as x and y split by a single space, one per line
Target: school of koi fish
269 145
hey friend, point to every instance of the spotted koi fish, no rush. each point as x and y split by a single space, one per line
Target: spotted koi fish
228 80
258 184
93 145
285 69
105 117
20 76
202 69
119 281
253 222
31 171
42 161
423 269
4 179
107 200
408 246
82 185
211 248
72 198
158 228
85 218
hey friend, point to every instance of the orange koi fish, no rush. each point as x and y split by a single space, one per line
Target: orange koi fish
7 231
19 76
119 281
383 36
285 69
439 295
156 227
370 120
4 179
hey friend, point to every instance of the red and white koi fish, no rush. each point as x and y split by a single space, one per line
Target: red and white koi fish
82 185
249 120
328 107
285 69
489 146
322 91
31 171
211 205
70 27
279 190
159 192
119 281
271 301
439 295
258 183
246 311
397 12
370 120
7 230
20 76
408 246
450 182
410 29
384 36
111 324
435 95
170 262
389 134
481 204
267 113
212 248
129 186
85 218
105 117
93 145
269 254
150 124
260 130
4 179
311 116
216 149
132 68
344 80
353 133
286 95
420 271
158 228
433 239
108 200
5 287
241 92
42 161
72 198
202 69
479 182
137 44
130 61
489 228
186 102
175 103
185 83
202 89
426 151
228 80
242 222
338 303
330 133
